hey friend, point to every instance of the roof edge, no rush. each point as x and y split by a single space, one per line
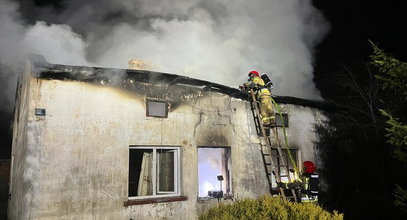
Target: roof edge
43 69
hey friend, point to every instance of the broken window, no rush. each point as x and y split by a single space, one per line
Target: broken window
214 172
280 120
153 171
157 109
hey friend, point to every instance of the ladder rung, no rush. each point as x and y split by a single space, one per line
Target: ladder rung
280 166
272 155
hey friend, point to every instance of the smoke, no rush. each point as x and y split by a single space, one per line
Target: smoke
215 40
211 156
58 43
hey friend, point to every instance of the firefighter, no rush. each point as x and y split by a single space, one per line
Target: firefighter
263 95
310 181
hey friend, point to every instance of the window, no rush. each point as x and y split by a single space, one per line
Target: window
154 171
279 120
157 109
286 158
214 172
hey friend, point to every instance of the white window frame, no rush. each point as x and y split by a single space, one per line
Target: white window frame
175 174
155 177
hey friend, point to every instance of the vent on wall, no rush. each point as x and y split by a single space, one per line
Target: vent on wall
157 109
40 112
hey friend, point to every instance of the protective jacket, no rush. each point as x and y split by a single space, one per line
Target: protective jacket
263 95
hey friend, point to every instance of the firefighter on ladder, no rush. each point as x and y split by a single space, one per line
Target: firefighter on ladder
263 95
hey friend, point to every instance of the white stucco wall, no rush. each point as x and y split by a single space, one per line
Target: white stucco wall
75 160
301 132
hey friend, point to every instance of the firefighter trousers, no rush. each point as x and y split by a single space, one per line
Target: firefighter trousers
266 110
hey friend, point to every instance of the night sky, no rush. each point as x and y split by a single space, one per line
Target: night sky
353 23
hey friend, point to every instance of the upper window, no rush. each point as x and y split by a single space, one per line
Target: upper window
154 171
214 172
279 120
157 109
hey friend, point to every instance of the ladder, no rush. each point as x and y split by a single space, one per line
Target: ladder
273 159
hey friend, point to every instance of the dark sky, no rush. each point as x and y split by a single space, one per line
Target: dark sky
352 24
355 22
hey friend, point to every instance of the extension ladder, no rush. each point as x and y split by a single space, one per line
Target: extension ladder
274 161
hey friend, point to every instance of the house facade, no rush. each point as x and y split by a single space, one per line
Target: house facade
98 143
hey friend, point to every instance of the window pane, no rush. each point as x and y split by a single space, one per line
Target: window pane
166 172
140 172
279 120
153 171
158 109
287 161
293 155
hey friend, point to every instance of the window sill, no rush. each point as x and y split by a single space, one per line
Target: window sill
154 200
206 199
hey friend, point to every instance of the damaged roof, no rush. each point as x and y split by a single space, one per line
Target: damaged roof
114 77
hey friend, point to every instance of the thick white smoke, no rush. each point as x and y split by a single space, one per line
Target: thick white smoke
215 40
58 43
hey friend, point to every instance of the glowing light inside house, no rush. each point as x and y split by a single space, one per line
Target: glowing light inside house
209 167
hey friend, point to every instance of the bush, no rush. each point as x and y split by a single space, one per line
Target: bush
268 207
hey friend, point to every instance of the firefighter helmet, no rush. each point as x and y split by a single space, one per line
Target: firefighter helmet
309 167
254 72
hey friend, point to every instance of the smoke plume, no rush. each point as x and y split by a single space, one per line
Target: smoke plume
215 40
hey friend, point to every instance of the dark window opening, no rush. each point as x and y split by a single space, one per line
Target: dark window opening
153 171
139 163
279 120
287 161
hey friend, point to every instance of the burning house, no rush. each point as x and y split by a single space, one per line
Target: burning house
98 143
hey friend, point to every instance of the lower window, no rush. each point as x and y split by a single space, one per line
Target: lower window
214 172
153 171
287 160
